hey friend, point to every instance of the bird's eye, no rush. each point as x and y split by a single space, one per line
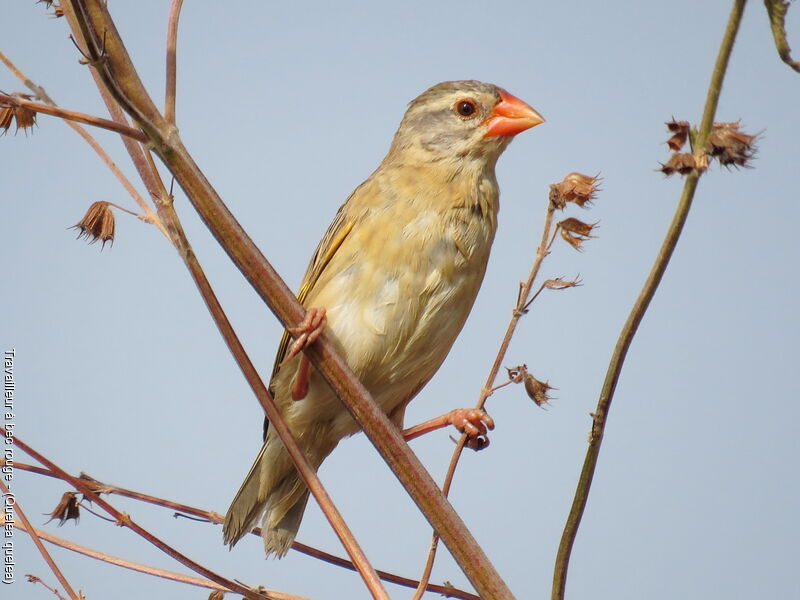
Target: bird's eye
466 108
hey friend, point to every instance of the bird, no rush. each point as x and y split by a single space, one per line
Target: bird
391 284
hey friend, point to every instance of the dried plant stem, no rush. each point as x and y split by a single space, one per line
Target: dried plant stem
147 213
134 566
307 471
35 579
109 57
72 115
172 68
166 211
125 520
548 235
214 517
600 415
40 546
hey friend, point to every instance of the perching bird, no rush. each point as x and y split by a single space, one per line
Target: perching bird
392 282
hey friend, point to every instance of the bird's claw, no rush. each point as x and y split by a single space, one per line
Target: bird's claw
474 423
306 332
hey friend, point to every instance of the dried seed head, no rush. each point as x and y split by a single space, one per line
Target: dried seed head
97 224
66 509
537 390
575 232
577 226
682 163
730 146
573 240
216 595
6 117
25 117
575 187
680 131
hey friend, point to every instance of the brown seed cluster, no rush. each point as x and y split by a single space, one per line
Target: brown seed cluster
726 143
575 187
97 224
731 147
10 112
66 509
536 390
575 232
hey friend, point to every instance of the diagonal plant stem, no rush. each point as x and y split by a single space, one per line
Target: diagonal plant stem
600 415
133 566
39 545
125 520
109 57
166 211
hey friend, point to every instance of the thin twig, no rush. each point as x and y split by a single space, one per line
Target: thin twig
600 416
72 115
172 46
35 579
134 566
38 542
548 235
125 520
214 517
148 215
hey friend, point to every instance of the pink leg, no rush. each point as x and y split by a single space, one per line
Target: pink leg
471 421
300 384
306 333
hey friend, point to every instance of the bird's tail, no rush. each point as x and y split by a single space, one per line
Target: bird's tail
274 488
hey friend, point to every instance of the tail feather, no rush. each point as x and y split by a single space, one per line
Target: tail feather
248 504
279 535
274 488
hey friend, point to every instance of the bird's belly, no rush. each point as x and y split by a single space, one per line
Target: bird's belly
395 319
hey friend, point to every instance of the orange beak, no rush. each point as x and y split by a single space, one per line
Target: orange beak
511 116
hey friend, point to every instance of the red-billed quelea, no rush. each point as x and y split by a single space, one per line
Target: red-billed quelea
392 282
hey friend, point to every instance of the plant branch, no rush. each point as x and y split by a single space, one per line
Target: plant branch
600 415
38 543
72 115
166 211
108 55
214 517
125 520
172 69
134 566
148 215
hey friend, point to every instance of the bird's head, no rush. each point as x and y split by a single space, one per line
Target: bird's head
457 120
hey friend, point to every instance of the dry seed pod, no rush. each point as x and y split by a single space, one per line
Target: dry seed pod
97 223
66 509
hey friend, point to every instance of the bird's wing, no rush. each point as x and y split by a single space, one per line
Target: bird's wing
330 243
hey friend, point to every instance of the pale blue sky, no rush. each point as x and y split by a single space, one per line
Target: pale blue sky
121 373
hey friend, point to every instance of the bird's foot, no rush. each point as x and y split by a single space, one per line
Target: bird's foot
472 422
306 332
